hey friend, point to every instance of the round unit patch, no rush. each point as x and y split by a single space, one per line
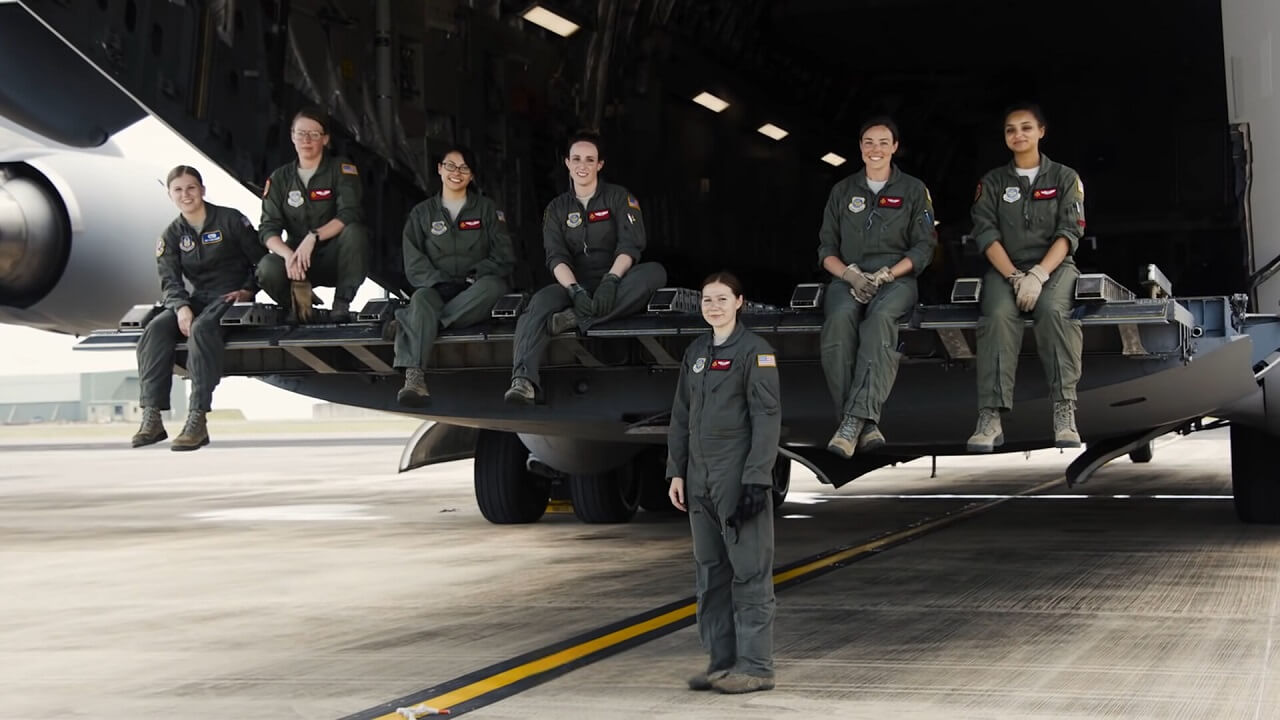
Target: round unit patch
438 227
857 204
574 219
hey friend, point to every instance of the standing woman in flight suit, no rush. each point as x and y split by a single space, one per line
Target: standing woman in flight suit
316 203
877 235
458 255
723 440
1028 217
216 249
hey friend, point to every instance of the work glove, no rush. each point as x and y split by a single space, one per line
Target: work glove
882 277
450 289
860 284
754 498
582 303
606 295
1029 286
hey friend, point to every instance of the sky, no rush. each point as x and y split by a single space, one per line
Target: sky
28 351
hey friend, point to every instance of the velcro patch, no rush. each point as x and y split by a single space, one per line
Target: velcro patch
724 364
321 194
889 201
1044 194
469 224
349 169
211 238
632 202
598 215
766 360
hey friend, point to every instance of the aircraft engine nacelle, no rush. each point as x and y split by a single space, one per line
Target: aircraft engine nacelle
77 240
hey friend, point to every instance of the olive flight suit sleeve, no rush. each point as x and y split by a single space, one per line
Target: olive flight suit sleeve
272 222
765 407
250 246
1070 220
418 268
629 222
553 238
169 265
501 260
985 215
922 237
678 429
350 207
829 233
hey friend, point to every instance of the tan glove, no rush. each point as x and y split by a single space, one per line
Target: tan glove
1028 288
860 284
882 277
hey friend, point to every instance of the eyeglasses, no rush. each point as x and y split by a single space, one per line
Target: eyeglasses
312 135
451 167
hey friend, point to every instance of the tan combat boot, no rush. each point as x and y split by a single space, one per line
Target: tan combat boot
194 435
871 437
703 680
1065 434
152 430
300 291
735 683
414 393
988 435
845 440
521 392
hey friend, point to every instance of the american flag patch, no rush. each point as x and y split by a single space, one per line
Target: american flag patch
766 360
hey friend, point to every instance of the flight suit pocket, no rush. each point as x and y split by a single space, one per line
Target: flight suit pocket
765 398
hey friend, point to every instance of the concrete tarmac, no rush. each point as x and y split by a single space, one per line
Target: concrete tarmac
300 579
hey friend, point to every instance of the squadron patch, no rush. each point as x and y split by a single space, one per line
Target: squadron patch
1044 194
857 204
502 217
211 238
439 227
349 169
598 215
889 201
187 244
1012 194
766 360
321 194
469 224
159 246
632 202
574 219
266 188
723 364
295 198
699 365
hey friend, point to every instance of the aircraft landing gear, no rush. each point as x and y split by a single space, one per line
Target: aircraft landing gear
506 491
1142 454
1255 483
781 481
607 497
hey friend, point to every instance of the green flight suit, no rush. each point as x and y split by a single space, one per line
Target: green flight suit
459 267
1026 218
217 259
291 208
726 419
588 240
873 230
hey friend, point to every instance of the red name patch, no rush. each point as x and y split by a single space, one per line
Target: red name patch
469 225
721 364
1045 194
890 202
321 194
598 215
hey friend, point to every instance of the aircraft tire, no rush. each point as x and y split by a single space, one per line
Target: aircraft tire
1142 454
506 491
781 482
608 497
1255 482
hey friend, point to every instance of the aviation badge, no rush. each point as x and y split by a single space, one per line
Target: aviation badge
574 219
1012 194
187 244
857 204
699 365
295 198
438 227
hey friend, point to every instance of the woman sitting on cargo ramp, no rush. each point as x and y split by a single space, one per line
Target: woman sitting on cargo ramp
726 419
1028 217
877 235
458 255
216 249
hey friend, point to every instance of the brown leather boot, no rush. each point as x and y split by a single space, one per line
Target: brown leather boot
194 435
152 430
300 291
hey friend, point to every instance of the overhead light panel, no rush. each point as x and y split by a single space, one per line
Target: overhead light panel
710 102
833 159
772 131
544 18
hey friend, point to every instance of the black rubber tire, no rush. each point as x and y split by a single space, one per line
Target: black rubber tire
781 481
1142 454
1255 482
506 492
608 497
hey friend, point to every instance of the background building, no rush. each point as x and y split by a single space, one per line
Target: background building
78 397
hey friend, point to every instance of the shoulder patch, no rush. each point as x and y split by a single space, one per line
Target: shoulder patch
349 169
246 222
632 202
502 217
1080 187
266 188
766 360
159 246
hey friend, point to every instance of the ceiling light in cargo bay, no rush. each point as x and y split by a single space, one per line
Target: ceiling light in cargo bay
773 131
833 159
710 102
558 24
